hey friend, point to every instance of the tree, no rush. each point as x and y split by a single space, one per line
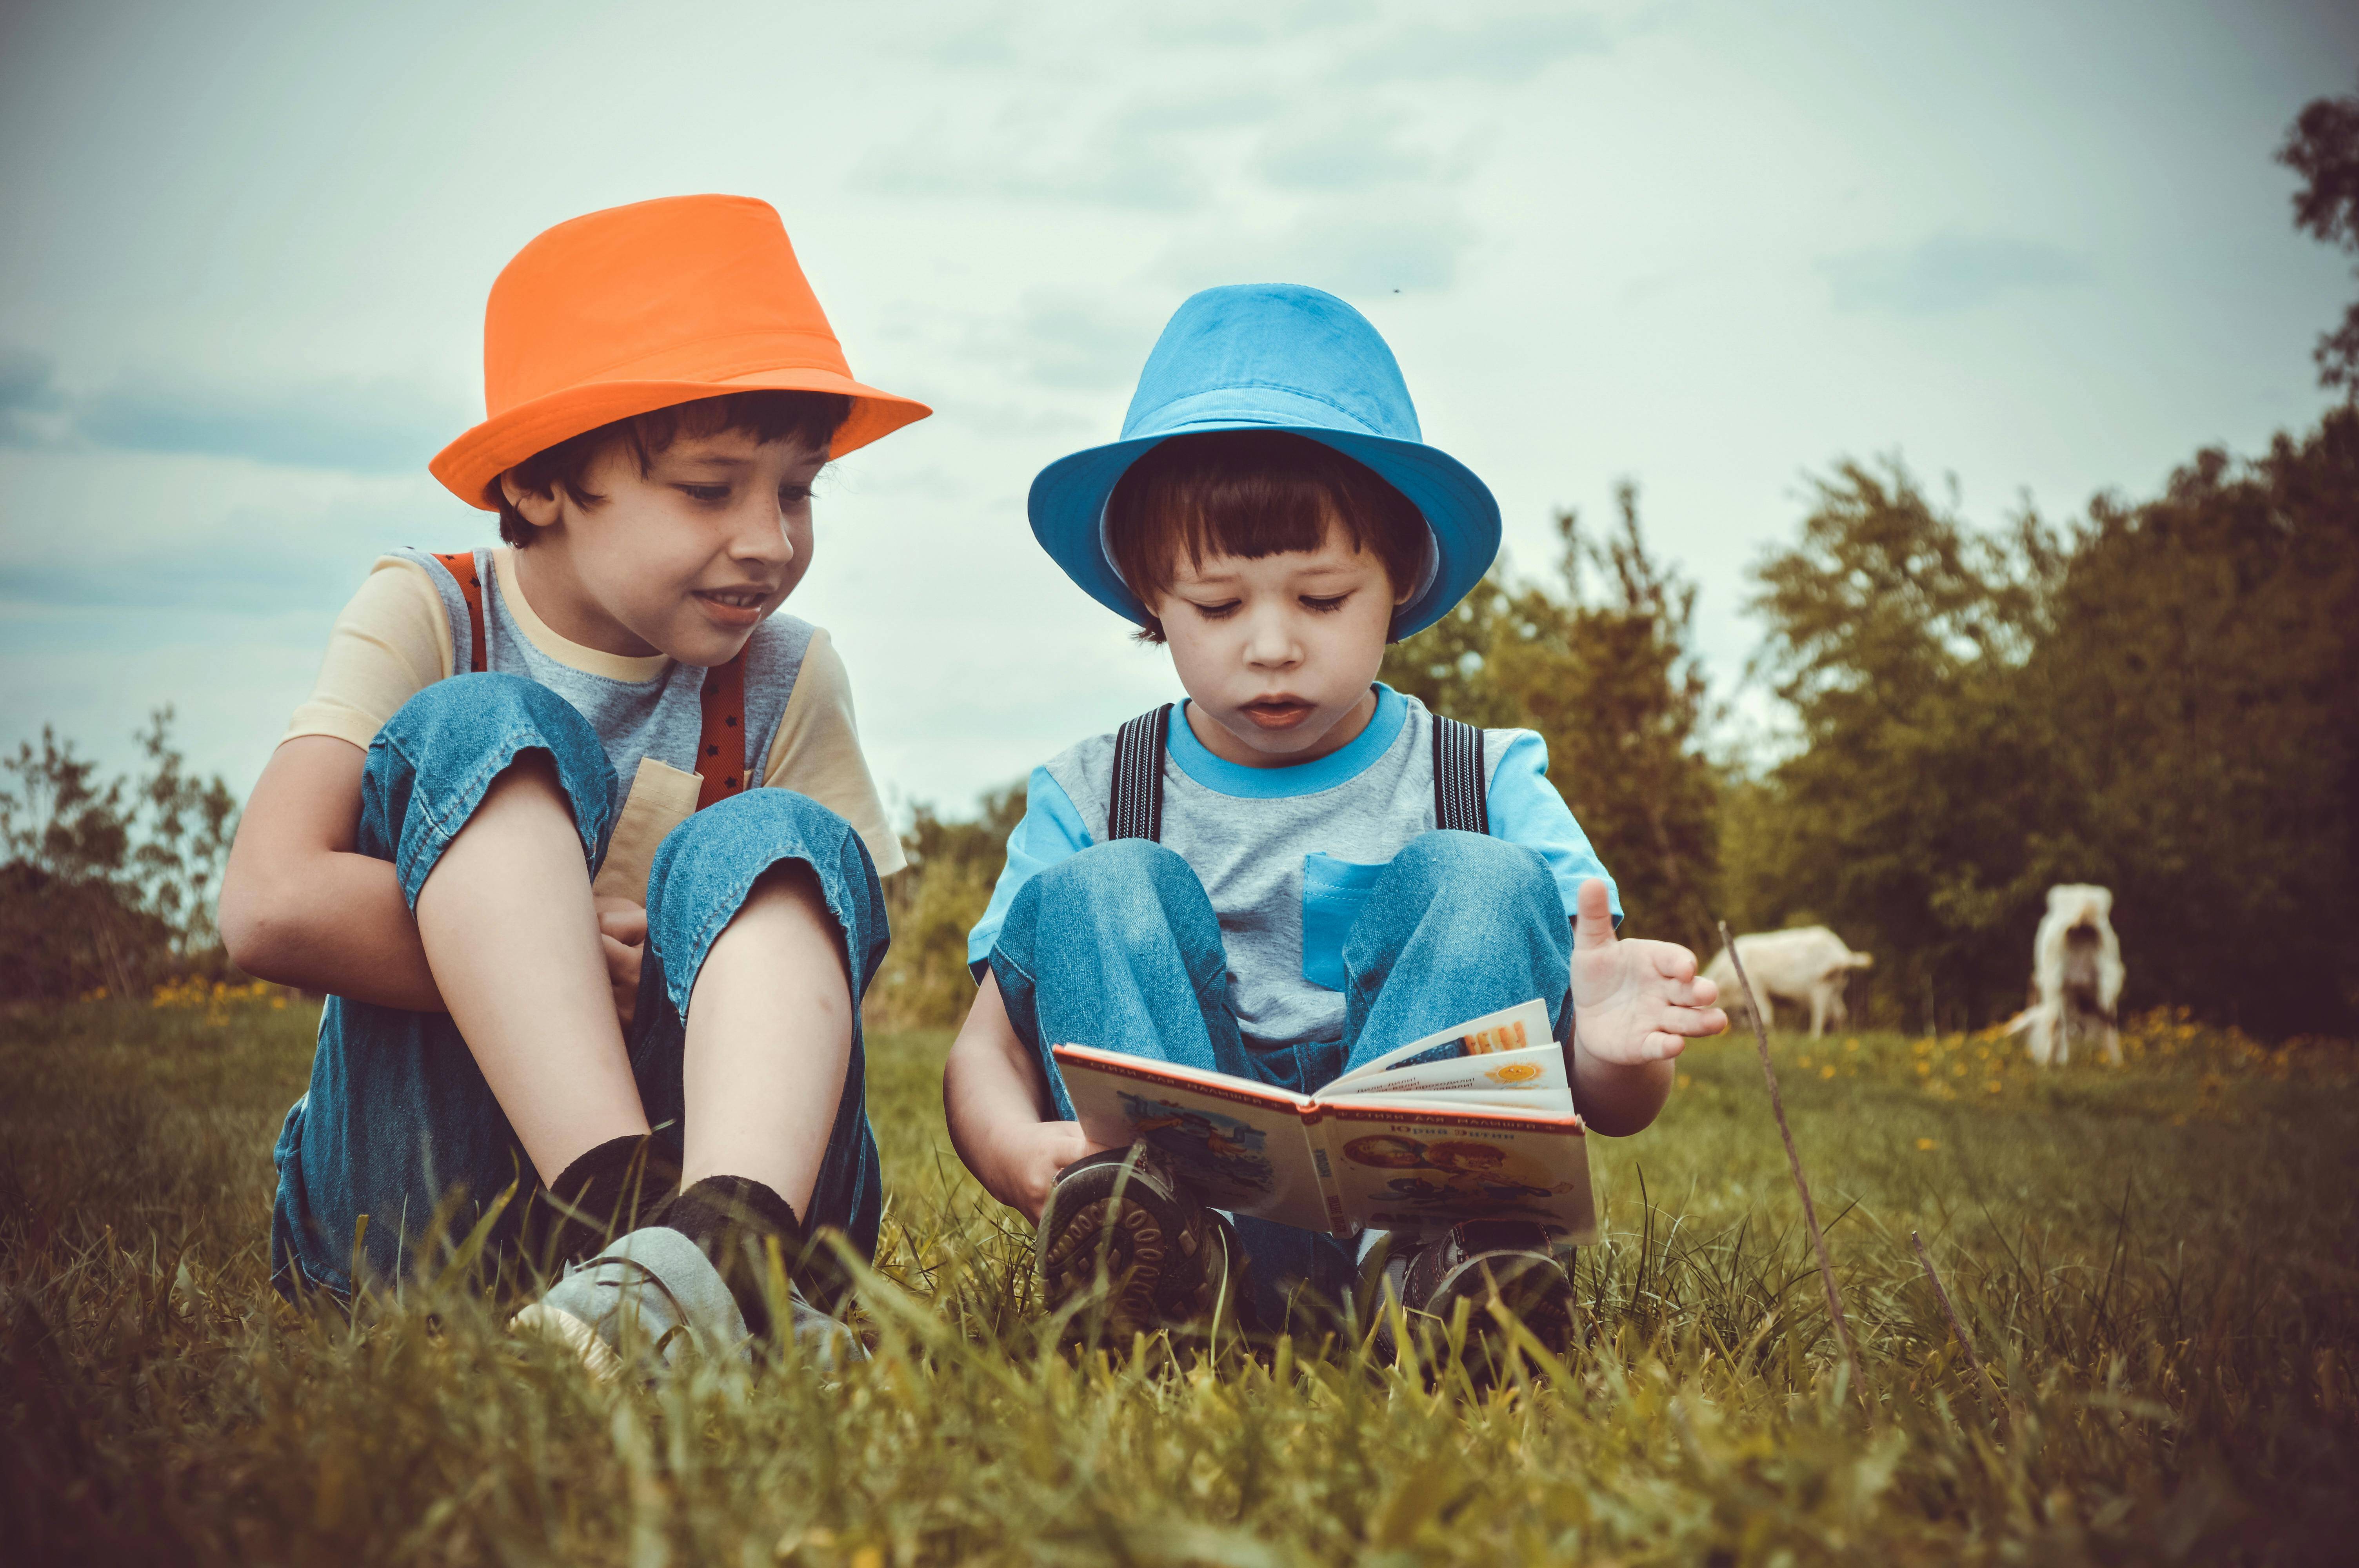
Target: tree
1610 681
104 883
2323 148
2164 700
1895 634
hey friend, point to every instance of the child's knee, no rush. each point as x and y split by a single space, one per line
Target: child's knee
489 708
764 841
1129 896
1443 861
1130 887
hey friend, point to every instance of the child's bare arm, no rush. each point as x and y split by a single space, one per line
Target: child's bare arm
298 906
997 1102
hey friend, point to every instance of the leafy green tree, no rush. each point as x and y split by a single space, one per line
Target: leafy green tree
2323 148
105 883
1608 678
2165 701
1895 634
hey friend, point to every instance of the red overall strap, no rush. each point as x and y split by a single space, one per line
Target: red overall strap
721 749
721 745
462 567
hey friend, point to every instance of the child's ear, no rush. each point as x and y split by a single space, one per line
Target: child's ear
538 507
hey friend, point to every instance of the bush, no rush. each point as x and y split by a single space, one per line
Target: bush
108 887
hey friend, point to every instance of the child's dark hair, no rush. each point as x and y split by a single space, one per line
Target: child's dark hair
811 418
1253 493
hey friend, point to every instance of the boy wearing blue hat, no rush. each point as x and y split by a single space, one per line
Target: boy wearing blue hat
1296 869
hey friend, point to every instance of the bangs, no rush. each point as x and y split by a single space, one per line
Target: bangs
1250 493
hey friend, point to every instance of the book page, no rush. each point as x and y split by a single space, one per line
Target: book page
1520 1027
1240 1145
1405 1164
1533 1069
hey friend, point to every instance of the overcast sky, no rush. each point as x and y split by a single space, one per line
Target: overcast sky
1711 248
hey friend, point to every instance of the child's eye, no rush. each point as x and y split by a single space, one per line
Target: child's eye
1325 606
1219 612
711 494
794 494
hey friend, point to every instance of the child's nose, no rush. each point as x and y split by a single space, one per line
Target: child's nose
761 534
1270 641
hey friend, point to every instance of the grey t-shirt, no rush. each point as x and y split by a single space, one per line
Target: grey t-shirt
1289 855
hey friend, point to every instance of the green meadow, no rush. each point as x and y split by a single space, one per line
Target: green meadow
2156 1264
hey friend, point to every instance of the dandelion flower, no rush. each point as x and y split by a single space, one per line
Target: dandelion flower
1926 1145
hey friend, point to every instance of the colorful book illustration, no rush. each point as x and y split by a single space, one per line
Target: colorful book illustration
1475 1122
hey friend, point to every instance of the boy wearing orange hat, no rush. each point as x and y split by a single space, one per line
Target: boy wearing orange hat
576 832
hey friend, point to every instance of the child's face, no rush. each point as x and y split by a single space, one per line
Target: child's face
685 560
1278 651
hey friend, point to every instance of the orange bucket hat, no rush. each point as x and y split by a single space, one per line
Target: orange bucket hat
638 308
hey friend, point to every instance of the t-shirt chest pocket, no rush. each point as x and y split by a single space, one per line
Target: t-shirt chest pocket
1333 893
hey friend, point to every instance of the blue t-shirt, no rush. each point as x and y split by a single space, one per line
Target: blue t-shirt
1289 855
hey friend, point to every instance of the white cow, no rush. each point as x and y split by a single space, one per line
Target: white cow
1807 964
2076 974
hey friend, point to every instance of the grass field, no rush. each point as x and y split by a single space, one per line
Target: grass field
2158 1266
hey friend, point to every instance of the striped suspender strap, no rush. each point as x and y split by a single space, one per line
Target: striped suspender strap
1135 805
1460 790
721 743
462 567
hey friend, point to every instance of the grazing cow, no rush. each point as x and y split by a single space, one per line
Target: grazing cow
2076 976
1808 964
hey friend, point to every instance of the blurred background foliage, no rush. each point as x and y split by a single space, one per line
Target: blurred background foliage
2161 695
107 885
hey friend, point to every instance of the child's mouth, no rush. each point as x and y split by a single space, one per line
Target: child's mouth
1278 712
735 608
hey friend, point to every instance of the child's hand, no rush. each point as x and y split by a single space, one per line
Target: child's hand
1030 1162
1634 1002
623 936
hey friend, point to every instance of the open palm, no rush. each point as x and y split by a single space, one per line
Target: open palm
1636 1000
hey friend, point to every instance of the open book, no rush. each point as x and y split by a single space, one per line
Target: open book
1475 1122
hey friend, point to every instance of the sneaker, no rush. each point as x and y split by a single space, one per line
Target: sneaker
1514 1261
653 1299
1167 1260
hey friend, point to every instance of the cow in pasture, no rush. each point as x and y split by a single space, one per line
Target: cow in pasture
2076 976
1808 964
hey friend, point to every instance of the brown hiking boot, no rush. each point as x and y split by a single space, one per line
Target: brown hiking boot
1513 1261
1167 1260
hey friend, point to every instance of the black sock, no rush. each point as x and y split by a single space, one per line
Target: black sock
614 1188
733 1219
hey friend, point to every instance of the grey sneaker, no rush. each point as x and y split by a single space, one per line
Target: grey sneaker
653 1298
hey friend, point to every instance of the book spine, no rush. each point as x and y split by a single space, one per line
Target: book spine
1317 1127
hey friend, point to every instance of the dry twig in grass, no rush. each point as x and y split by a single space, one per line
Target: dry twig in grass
1949 1310
1801 1182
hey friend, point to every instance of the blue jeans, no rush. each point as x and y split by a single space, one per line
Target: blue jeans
400 1143
1118 948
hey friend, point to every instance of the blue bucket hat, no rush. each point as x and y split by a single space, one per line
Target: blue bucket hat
1274 356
